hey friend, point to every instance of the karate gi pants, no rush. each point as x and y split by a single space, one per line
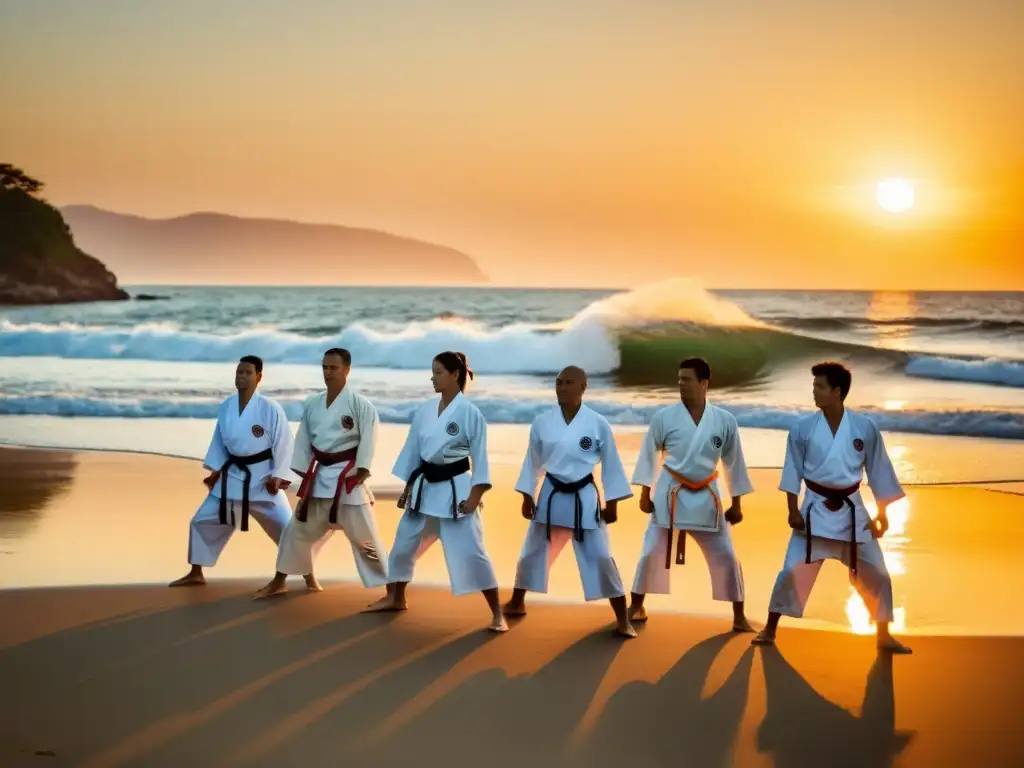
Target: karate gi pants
796 579
598 571
301 542
207 537
652 577
469 566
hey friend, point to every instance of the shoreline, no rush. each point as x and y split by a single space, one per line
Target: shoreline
636 431
54 532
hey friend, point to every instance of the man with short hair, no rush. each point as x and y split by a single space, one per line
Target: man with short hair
694 436
334 451
829 453
249 459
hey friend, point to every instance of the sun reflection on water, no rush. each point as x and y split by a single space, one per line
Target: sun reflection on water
857 614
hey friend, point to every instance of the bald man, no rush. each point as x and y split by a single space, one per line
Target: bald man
566 443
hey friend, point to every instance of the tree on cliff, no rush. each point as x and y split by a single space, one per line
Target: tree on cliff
39 261
12 178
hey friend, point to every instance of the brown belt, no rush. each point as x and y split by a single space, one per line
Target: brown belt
834 500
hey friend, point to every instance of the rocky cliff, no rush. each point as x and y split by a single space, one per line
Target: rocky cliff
39 261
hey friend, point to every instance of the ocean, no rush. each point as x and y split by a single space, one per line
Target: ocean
942 374
931 363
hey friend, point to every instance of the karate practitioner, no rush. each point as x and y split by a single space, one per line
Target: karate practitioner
566 443
829 452
694 435
333 453
444 466
249 459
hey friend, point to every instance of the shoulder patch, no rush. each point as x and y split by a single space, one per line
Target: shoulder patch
347 421
586 443
452 428
258 431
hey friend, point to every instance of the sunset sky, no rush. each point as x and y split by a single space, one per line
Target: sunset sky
587 143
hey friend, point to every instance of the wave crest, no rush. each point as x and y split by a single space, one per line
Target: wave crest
636 336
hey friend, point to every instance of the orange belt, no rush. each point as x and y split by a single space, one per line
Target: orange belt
684 484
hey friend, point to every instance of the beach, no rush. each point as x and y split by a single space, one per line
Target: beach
106 412
110 667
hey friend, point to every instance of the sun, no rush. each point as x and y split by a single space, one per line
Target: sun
895 195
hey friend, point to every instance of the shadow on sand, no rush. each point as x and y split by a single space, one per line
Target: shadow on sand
801 725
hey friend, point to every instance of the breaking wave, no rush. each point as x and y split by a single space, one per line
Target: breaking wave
637 338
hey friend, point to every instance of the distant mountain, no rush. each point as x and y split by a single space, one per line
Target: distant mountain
218 248
39 260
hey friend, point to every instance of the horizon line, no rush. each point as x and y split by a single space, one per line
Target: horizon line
506 286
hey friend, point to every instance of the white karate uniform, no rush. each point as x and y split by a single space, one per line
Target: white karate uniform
457 433
262 425
351 421
839 461
693 451
569 452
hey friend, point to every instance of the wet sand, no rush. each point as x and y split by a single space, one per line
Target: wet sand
65 516
111 672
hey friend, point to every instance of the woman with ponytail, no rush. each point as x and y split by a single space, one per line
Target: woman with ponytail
444 466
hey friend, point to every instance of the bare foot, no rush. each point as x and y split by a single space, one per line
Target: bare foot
498 624
764 637
512 608
312 585
386 603
273 588
637 615
892 645
741 625
625 630
189 580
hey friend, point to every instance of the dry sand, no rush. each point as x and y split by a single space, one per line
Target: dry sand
150 676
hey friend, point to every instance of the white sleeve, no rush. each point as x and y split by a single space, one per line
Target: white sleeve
647 462
216 453
302 453
282 445
793 465
481 470
369 427
614 482
735 465
409 458
881 474
533 463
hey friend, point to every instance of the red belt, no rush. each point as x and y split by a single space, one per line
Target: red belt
321 458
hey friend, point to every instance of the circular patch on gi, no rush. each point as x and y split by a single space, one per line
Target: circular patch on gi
716 441
347 422
258 431
858 444
586 443
452 428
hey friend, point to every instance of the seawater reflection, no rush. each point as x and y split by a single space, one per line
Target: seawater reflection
892 543
30 481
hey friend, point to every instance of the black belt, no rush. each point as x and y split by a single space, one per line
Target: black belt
558 486
834 500
435 473
243 463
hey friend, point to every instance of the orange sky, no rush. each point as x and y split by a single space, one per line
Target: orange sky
579 143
